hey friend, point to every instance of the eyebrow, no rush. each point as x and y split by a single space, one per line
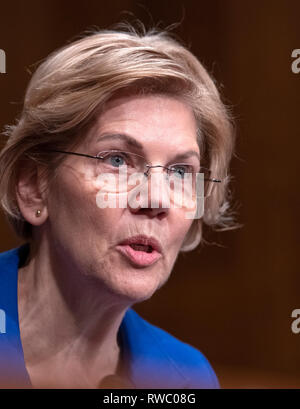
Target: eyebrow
132 142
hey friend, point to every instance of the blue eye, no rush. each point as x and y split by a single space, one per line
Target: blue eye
180 170
116 160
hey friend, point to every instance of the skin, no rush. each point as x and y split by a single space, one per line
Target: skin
75 289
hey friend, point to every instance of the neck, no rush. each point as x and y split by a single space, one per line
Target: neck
69 322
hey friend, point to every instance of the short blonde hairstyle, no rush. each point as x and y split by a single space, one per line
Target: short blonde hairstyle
69 88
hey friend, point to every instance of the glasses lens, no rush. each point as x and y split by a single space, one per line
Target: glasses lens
119 171
182 186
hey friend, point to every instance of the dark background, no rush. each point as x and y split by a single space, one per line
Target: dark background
233 301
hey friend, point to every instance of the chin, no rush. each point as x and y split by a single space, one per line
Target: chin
136 285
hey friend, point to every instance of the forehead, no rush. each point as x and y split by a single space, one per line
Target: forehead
151 119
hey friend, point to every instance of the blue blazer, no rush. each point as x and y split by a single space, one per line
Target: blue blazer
152 357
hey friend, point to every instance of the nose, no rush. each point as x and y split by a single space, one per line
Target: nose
153 196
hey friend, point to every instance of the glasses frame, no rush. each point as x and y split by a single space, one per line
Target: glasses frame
148 166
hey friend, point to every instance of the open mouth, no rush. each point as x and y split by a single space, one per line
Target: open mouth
139 254
141 247
140 250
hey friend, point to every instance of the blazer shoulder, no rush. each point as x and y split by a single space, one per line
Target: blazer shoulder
187 359
10 259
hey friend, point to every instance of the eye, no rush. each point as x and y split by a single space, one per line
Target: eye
180 170
115 159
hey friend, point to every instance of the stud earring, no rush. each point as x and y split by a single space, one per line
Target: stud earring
38 213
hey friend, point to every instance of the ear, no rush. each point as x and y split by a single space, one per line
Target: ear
31 195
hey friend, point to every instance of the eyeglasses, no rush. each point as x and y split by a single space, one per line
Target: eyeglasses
126 164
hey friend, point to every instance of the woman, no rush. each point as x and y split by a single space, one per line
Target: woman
108 103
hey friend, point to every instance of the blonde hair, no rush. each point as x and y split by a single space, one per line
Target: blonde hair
69 88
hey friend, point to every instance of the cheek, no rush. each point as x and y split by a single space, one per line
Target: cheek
181 228
72 205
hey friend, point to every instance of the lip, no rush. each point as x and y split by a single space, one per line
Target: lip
145 240
141 258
